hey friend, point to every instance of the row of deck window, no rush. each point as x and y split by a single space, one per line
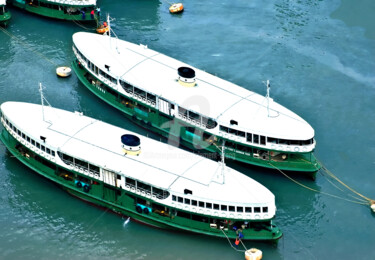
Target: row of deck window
66 9
205 121
260 139
38 145
69 160
148 189
95 69
150 98
209 205
131 183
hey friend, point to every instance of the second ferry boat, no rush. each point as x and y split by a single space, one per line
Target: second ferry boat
203 111
149 181
75 10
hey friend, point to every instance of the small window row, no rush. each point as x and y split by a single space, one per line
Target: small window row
94 69
148 189
138 92
38 145
189 115
220 207
260 139
85 166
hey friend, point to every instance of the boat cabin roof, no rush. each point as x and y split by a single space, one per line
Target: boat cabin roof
213 97
158 164
73 2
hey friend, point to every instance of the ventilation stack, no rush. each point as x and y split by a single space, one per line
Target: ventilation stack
186 76
131 144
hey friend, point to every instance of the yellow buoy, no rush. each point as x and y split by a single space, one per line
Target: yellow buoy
253 254
373 205
176 8
103 28
63 71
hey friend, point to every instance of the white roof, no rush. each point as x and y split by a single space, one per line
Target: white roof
74 2
2 2
212 97
158 164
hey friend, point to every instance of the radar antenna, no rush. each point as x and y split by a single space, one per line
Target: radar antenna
42 99
268 96
220 177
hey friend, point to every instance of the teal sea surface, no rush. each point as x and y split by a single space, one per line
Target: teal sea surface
320 58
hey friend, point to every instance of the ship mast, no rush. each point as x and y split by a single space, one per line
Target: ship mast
223 162
42 99
268 97
220 176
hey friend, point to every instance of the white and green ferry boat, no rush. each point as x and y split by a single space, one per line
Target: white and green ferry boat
201 110
149 181
76 10
4 14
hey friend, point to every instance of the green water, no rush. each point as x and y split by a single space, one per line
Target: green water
320 58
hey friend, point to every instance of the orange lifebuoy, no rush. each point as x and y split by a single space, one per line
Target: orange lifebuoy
176 8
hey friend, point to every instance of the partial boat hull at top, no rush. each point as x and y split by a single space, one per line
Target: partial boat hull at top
75 10
165 95
160 185
5 15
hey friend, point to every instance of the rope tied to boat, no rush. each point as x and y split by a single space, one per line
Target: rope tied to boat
26 45
230 243
360 199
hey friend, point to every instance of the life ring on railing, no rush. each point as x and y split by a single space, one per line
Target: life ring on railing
138 209
79 184
86 188
146 210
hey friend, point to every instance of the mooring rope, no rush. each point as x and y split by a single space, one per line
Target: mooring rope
27 45
343 184
238 250
321 192
76 21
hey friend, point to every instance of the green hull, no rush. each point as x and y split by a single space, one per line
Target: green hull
125 203
5 19
171 127
56 12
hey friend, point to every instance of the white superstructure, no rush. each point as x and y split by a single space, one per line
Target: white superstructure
51 132
231 106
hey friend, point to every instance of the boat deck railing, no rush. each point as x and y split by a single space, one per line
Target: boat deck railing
145 192
82 168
